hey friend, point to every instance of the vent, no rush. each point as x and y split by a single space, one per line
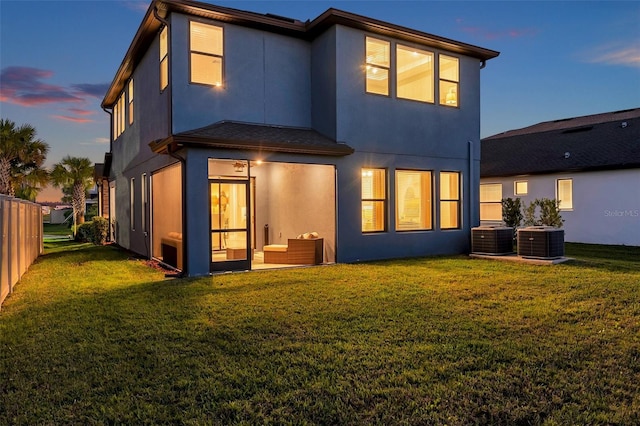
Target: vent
492 240
541 242
578 129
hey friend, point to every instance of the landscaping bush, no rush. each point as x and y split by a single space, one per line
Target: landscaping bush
100 229
512 212
84 232
543 211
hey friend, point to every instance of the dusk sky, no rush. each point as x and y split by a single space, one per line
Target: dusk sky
557 59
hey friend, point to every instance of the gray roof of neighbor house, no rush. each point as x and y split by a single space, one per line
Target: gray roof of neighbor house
248 136
594 142
306 30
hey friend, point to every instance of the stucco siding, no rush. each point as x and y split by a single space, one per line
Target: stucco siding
606 204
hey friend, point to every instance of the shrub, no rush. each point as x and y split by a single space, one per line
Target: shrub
512 212
100 229
549 213
84 232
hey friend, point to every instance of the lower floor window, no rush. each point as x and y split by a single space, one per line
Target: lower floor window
449 200
413 200
564 191
374 200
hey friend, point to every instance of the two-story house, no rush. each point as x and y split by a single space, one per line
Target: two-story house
234 133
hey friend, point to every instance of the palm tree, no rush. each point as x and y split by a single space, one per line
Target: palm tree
77 174
22 158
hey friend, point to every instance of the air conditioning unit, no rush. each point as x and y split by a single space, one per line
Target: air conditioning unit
541 242
492 240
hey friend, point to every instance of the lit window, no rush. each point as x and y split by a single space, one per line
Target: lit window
414 69
164 59
491 201
119 116
143 197
565 194
449 80
521 187
378 62
413 200
132 204
449 200
130 93
206 45
374 200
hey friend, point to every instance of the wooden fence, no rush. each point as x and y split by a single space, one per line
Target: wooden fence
21 240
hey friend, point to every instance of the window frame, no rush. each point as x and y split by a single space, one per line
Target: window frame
491 202
371 65
384 200
143 202
442 80
130 89
515 187
164 59
212 55
457 201
560 203
132 204
427 204
432 75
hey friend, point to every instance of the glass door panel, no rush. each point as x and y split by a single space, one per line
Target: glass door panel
229 225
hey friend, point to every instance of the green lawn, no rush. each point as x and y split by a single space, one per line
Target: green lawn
91 336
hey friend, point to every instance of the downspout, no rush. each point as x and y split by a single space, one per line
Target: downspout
471 188
164 22
483 64
110 128
110 152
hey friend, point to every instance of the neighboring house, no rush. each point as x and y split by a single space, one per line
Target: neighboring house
590 164
232 131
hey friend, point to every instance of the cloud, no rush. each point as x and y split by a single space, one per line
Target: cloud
140 6
614 54
24 86
80 111
73 119
94 90
101 141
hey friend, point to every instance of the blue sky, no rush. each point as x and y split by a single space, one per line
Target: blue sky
557 59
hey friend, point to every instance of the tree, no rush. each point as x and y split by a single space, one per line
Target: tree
22 158
76 174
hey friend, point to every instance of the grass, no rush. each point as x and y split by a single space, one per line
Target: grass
57 230
92 337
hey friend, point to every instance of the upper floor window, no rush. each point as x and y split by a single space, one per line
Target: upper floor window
521 187
491 201
413 200
206 51
414 74
119 116
378 62
449 200
164 59
449 80
564 191
130 100
374 200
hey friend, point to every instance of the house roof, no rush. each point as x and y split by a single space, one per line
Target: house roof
306 30
258 137
594 142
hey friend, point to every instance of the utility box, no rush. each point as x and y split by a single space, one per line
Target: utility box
541 242
492 240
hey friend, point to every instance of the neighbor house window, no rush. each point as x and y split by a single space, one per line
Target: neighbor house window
132 204
413 200
374 200
449 80
564 190
491 201
130 99
521 187
449 200
206 47
378 62
414 69
164 59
